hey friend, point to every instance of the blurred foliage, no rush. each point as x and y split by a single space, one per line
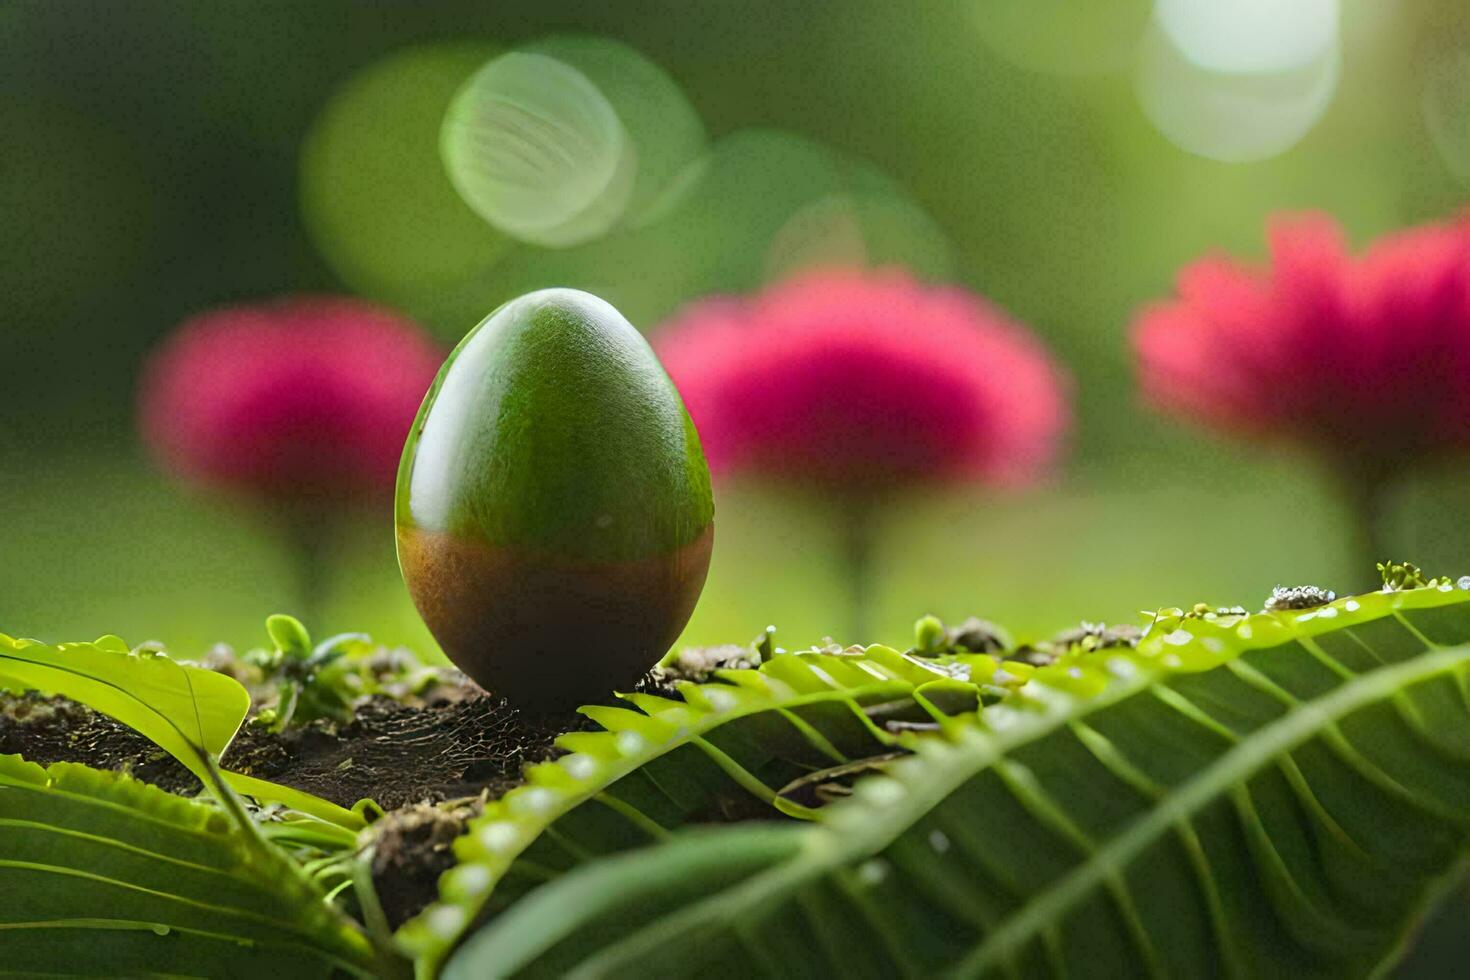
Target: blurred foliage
151 164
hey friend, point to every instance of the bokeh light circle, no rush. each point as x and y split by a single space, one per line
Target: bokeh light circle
374 195
1234 117
1063 37
666 132
1250 35
862 227
536 149
760 205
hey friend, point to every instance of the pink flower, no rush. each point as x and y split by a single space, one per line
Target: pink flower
1363 358
863 381
308 397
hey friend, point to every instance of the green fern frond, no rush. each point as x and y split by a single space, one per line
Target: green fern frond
107 876
657 764
190 712
1247 795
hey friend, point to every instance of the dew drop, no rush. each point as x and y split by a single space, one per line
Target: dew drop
537 799
882 791
719 700
872 872
446 921
629 743
579 765
498 836
470 880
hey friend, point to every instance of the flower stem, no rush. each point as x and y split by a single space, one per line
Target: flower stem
858 514
1365 497
309 534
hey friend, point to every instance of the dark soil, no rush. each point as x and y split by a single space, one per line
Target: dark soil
456 748
412 848
397 754
47 730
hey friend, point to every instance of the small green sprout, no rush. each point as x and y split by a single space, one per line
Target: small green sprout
1088 637
932 638
1203 610
929 636
1169 617
1400 575
289 636
977 635
325 680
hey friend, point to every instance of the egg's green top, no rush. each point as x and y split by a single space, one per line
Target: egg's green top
553 426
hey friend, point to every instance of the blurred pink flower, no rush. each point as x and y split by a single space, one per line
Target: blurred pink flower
1365 359
301 398
864 381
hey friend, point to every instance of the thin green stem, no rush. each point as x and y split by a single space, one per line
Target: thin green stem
379 933
234 806
1364 493
388 963
858 517
309 535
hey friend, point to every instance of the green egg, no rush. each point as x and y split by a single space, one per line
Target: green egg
553 514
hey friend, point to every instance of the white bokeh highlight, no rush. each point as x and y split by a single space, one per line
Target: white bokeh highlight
1250 36
1234 116
536 149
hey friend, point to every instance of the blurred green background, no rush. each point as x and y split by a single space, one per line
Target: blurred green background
162 156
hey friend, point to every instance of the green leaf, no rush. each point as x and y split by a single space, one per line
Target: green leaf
265 791
594 905
662 763
190 712
107 876
1271 795
289 636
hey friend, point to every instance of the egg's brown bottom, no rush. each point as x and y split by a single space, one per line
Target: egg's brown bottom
547 632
